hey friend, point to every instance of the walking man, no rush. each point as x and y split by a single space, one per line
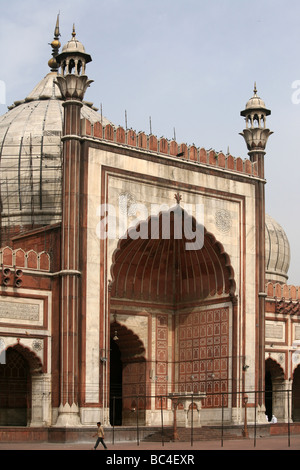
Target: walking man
100 436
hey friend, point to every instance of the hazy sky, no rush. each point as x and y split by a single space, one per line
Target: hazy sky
189 64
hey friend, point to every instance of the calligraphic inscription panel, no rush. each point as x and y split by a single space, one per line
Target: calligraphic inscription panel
25 312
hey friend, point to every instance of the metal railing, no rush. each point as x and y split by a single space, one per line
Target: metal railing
248 429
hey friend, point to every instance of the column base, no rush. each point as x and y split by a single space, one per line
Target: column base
68 416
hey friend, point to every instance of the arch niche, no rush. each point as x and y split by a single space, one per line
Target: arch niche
127 375
184 294
275 397
296 395
16 385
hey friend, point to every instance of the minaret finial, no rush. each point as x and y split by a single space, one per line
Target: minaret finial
255 89
55 44
73 32
56 31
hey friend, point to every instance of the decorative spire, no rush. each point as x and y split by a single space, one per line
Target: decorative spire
55 44
56 31
255 90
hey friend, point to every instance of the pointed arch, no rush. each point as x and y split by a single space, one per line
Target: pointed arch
127 372
19 374
274 375
155 266
34 362
130 345
274 368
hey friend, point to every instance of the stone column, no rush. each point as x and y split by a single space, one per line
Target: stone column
256 136
72 87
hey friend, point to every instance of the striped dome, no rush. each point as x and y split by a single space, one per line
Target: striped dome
31 155
277 252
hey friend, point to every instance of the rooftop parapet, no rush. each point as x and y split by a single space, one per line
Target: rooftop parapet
282 291
163 146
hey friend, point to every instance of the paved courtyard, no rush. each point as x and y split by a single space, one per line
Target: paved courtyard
266 443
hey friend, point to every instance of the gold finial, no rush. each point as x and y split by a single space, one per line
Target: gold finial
73 32
255 89
55 44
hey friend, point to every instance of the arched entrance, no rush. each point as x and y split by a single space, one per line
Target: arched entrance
16 386
127 376
116 374
275 396
296 395
187 295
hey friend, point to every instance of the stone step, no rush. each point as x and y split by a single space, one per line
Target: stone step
185 434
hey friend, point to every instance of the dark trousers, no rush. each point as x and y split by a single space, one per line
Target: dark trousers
100 439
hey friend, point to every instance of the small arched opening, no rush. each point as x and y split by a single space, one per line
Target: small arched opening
127 376
16 385
274 393
115 384
296 395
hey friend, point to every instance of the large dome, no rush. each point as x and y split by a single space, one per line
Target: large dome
277 252
31 155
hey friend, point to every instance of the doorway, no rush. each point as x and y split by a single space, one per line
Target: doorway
275 397
14 390
268 395
296 395
127 373
115 409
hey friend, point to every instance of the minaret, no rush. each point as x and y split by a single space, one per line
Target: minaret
256 135
72 83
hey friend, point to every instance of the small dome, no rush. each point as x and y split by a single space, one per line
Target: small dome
73 46
255 104
277 252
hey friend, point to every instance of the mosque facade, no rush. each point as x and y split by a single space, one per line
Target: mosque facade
139 276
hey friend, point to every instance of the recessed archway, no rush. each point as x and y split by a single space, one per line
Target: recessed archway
116 384
296 395
127 373
15 385
157 267
172 283
274 376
